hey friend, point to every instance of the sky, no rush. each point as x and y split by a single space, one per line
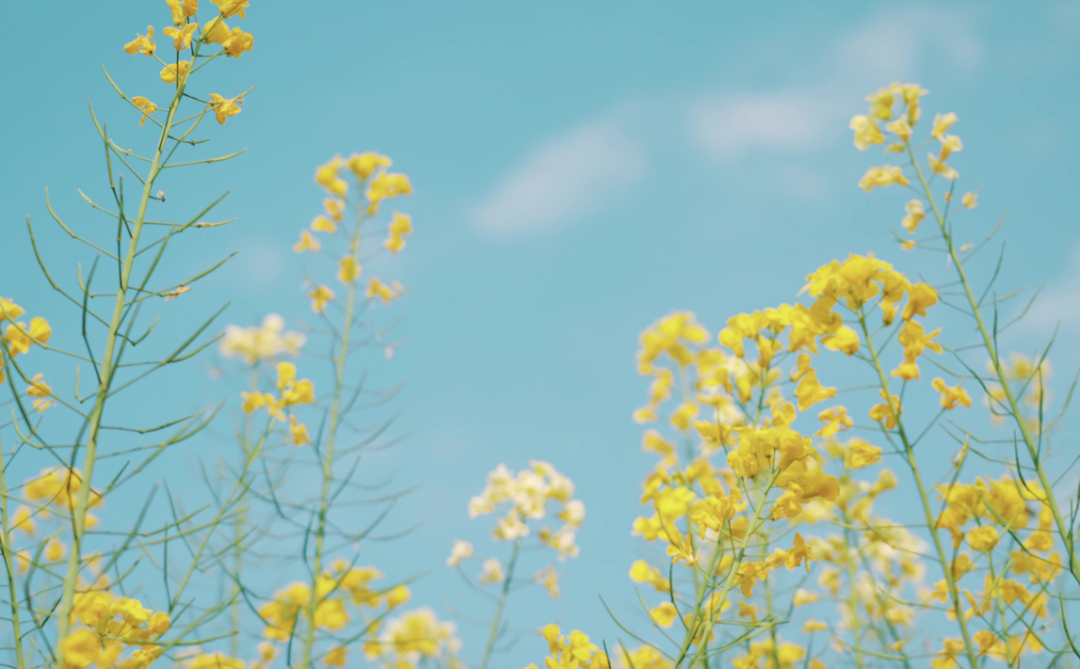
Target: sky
580 170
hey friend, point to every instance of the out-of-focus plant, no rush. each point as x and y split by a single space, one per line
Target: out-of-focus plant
68 579
767 549
751 497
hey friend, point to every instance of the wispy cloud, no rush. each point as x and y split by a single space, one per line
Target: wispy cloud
801 117
578 172
1057 302
563 178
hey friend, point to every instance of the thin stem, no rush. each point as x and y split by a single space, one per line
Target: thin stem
988 341
331 439
108 368
496 621
928 516
5 548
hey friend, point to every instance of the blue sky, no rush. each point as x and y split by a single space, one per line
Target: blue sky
581 169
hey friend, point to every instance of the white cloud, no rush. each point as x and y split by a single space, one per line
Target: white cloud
563 178
1057 303
726 127
796 118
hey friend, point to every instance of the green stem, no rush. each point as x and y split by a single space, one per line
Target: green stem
5 548
729 581
496 622
108 369
928 516
328 460
988 341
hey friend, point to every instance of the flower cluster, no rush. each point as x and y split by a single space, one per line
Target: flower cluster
413 638
113 625
293 392
189 35
526 497
335 589
265 343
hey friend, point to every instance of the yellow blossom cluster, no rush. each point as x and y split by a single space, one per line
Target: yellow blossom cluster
376 184
18 338
414 638
572 651
293 392
265 343
189 35
339 586
526 496
113 625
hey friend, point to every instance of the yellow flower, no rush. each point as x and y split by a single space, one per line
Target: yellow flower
298 432
9 310
549 578
813 625
942 123
323 224
845 339
836 420
377 288
20 341
664 614
397 596
363 165
172 73
336 657
237 42
334 208
181 10
176 292
949 145
907 245
883 412
883 176
255 401
900 127
229 8
810 391
144 45
950 397
803 597
915 215
461 550
319 297
215 32
327 176
224 108
181 36
861 454
983 539
308 242
400 227
642 572
80 648
385 186
938 166
920 296
55 550
866 132
683 551
215 661
143 105
970 200
348 270
42 391
23 521
881 102
492 572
